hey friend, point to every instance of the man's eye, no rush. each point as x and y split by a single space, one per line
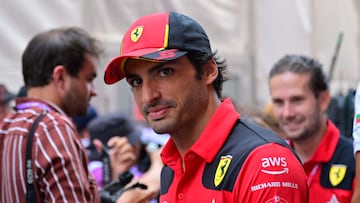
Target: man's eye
135 82
165 72
278 103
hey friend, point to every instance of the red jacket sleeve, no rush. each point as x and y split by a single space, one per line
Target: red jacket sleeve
272 173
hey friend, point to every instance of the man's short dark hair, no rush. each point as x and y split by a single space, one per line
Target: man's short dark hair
198 59
303 65
61 46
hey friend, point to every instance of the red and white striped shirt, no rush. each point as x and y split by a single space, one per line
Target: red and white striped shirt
58 157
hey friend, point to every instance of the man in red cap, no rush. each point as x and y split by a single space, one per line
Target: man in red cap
213 154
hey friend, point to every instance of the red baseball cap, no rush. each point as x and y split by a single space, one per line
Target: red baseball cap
158 37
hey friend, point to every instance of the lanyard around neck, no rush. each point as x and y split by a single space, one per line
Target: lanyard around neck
26 105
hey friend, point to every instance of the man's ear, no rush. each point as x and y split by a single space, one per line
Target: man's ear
59 76
210 72
324 100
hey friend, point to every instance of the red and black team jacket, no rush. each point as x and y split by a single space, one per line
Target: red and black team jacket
252 165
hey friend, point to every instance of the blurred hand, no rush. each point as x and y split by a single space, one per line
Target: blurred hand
122 155
151 177
155 158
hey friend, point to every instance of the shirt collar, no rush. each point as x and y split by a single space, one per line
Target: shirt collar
328 143
53 106
327 146
213 136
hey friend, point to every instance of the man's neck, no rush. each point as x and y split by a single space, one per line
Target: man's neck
185 137
47 93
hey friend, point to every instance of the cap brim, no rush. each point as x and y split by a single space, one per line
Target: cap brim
115 69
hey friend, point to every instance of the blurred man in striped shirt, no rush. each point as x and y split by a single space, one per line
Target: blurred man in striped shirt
58 70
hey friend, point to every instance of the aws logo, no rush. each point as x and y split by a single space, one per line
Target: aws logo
222 168
274 165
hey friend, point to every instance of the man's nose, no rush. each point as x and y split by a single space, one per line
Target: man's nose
150 92
288 110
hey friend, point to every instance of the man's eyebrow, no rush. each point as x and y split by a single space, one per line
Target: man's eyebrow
150 71
156 67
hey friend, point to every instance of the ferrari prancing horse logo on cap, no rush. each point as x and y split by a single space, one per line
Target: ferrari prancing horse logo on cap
136 33
222 168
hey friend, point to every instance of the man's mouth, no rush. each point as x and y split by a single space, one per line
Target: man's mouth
157 113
